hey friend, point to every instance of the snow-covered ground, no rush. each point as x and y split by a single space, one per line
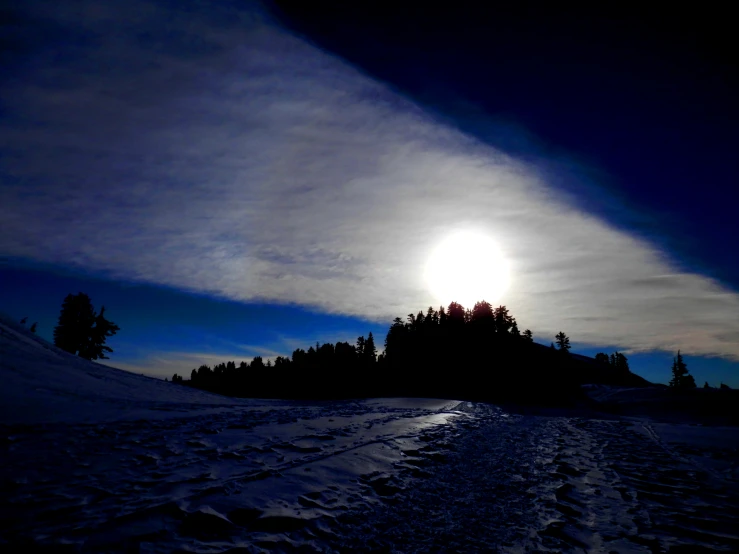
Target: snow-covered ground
95 459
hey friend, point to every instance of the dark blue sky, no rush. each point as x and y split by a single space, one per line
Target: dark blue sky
247 178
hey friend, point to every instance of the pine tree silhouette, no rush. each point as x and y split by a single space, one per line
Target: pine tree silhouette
681 379
80 331
370 352
75 321
103 328
563 341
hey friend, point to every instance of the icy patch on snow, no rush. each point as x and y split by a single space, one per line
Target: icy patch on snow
245 476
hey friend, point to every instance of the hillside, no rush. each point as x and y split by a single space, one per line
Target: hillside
43 383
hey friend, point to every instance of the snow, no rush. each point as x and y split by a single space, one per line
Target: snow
42 383
95 459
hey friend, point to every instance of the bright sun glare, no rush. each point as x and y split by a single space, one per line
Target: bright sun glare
467 267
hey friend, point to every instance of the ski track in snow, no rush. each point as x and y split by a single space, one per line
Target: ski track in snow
360 476
94 459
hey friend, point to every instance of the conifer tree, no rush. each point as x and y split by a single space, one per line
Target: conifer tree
563 341
681 379
620 363
370 351
528 335
503 320
361 345
75 322
103 328
80 331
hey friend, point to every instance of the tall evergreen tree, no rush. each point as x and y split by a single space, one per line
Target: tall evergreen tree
455 313
503 320
620 363
33 327
528 335
361 344
563 341
482 312
370 351
103 328
80 331
76 320
681 379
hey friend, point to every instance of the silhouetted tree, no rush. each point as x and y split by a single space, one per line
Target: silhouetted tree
619 362
681 379
483 313
370 351
455 314
95 348
76 320
23 321
724 386
563 341
33 327
705 385
360 342
528 335
616 361
503 320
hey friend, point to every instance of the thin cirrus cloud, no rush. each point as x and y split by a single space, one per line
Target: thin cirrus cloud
250 165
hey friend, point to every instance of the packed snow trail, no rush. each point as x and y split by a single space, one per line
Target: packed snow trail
95 459
392 475
555 484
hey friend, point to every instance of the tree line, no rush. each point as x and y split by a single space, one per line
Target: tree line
482 346
324 371
478 352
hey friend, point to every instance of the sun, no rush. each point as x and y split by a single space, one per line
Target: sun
467 267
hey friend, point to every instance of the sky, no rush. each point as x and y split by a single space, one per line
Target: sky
247 178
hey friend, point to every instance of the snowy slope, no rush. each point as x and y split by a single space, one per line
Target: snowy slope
95 459
42 383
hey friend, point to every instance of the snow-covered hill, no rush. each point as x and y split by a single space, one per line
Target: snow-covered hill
41 383
95 459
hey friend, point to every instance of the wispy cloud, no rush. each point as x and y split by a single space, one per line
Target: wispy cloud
220 154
